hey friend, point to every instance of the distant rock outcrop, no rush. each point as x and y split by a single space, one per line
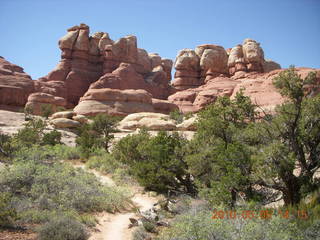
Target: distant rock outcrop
258 86
99 75
105 63
15 84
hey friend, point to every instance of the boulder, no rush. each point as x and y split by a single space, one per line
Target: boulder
81 119
68 40
94 41
82 42
184 100
64 123
150 121
213 61
187 64
163 106
187 59
36 102
253 55
124 77
123 50
114 102
188 124
236 60
55 88
64 114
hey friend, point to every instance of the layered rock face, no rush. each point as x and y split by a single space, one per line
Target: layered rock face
86 59
80 65
195 99
258 86
15 84
114 102
37 103
210 71
99 62
197 67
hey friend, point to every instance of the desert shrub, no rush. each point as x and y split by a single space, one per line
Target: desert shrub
177 116
88 220
140 234
30 213
45 188
97 134
8 214
122 177
62 228
32 133
200 226
5 146
35 153
46 110
51 138
313 231
182 205
28 110
105 163
126 150
46 153
87 141
149 226
64 152
103 127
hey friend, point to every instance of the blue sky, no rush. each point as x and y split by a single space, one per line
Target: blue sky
288 30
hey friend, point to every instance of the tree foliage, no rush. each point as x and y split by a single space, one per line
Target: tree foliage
157 162
97 134
289 151
218 158
233 153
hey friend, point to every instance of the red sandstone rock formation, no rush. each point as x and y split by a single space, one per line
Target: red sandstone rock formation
258 86
103 63
114 102
15 84
118 78
36 102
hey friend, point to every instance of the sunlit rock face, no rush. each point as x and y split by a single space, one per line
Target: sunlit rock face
116 64
15 84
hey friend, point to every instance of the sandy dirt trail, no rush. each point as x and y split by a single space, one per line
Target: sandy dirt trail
115 226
